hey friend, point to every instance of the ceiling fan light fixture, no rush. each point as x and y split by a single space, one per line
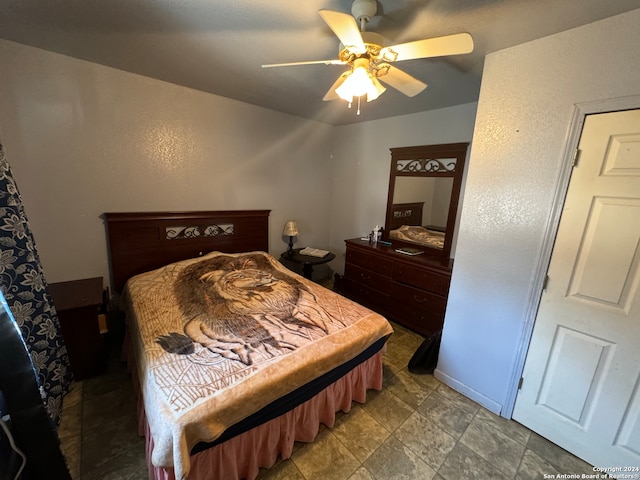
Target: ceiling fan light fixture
377 90
360 82
355 85
369 56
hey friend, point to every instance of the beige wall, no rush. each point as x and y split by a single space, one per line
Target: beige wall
83 139
527 101
362 163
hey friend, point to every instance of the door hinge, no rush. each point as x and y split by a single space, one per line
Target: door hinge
545 282
576 157
520 383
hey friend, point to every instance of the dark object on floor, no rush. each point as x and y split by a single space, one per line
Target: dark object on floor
426 357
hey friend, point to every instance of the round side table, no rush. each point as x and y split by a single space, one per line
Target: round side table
307 261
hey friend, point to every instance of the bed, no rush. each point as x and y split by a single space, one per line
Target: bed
406 224
236 357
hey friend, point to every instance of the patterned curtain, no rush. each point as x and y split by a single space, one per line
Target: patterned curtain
25 289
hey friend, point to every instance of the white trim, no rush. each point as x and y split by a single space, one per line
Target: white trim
474 395
562 186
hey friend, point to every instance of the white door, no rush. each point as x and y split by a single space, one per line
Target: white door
581 380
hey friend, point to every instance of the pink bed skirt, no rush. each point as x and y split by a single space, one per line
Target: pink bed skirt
241 457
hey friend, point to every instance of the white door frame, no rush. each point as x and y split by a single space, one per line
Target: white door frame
572 140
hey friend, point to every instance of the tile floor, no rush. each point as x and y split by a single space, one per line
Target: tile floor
415 428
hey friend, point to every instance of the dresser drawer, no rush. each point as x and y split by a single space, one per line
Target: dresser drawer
417 299
421 321
369 297
364 276
370 261
421 310
421 278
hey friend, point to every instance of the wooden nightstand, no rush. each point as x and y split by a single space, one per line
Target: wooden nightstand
77 303
307 261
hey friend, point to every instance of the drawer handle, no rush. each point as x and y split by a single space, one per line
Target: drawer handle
419 299
365 277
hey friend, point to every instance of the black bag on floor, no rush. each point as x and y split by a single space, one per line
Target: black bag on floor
426 357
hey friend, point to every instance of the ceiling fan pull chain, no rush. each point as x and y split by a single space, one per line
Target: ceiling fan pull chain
358 112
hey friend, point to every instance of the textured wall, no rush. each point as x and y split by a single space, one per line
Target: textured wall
526 104
362 162
83 139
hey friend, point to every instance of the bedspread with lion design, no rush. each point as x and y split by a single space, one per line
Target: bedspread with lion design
218 337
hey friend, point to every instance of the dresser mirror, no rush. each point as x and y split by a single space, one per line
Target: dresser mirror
424 188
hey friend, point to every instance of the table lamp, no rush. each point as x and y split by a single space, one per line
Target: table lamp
290 230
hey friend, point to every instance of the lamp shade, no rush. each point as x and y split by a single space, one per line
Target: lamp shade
360 82
356 84
290 228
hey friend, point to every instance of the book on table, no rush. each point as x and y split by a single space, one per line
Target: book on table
314 252
409 251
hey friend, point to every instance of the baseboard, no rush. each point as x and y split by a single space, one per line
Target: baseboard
477 397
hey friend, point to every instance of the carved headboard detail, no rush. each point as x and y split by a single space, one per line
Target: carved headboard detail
143 241
406 214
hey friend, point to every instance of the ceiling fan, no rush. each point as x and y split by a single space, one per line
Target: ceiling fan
370 61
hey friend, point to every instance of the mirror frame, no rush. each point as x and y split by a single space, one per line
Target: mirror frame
426 161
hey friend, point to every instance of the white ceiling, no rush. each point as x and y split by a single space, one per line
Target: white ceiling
219 46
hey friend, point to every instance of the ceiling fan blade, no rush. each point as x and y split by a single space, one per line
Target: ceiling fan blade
345 28
312 62
331 94
456 44
403 82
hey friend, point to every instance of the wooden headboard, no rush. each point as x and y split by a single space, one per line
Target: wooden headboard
406 214
144 241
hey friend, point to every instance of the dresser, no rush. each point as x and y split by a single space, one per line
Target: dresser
410 290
